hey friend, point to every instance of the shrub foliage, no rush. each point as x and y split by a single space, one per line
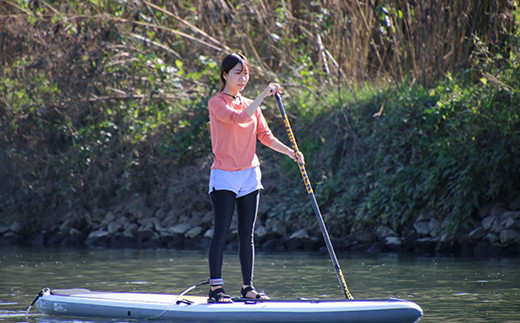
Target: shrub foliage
401 107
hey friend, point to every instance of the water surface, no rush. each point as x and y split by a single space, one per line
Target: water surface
447 289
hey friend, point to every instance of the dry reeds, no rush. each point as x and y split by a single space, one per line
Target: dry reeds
347 41
373 40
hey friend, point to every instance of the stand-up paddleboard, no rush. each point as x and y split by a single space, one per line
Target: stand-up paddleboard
183 308
168 307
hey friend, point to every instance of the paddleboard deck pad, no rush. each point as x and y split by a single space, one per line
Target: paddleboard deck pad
169 307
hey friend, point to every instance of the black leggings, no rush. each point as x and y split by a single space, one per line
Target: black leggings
223 209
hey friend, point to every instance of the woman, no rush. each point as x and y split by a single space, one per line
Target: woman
236 123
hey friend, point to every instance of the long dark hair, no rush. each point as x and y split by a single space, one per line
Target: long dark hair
230 61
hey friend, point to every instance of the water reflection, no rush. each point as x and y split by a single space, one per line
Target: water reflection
448 289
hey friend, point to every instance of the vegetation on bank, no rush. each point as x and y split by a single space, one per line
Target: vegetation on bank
398 153
402 109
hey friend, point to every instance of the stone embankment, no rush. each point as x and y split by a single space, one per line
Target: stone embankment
494 231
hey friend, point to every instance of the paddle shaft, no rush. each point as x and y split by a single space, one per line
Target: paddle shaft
310 192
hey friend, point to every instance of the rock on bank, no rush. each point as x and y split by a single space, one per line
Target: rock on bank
495 232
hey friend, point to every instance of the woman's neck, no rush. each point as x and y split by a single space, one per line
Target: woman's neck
232 96
230 92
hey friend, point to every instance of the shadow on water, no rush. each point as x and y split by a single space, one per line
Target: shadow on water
448 289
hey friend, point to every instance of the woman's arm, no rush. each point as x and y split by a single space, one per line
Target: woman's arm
220 110
271 89
278 146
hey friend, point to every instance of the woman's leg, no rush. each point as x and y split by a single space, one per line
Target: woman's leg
223 207
247 209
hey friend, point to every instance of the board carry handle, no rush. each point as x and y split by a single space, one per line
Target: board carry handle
310 192
178 299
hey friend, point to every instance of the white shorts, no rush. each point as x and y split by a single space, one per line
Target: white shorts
241 182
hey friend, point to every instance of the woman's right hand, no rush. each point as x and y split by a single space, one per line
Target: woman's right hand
271 89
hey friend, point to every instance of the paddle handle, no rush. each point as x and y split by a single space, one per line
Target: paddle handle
294 145
308 187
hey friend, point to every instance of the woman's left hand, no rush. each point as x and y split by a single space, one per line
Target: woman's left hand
297 157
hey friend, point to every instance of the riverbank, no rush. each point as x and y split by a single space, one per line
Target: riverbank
104 138
181 218
497 234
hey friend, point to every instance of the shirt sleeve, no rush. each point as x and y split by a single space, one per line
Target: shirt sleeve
263 132
222 112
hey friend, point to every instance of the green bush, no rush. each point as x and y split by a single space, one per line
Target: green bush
446 150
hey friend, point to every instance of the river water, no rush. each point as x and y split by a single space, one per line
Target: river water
448 289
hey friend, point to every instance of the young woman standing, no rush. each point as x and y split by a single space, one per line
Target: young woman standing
236 123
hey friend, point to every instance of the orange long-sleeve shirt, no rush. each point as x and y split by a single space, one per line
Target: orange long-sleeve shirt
234 133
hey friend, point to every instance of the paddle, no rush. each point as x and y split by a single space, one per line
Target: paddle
308 186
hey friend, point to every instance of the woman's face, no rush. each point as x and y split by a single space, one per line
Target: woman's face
236 79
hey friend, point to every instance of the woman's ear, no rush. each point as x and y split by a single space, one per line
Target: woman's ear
224 76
